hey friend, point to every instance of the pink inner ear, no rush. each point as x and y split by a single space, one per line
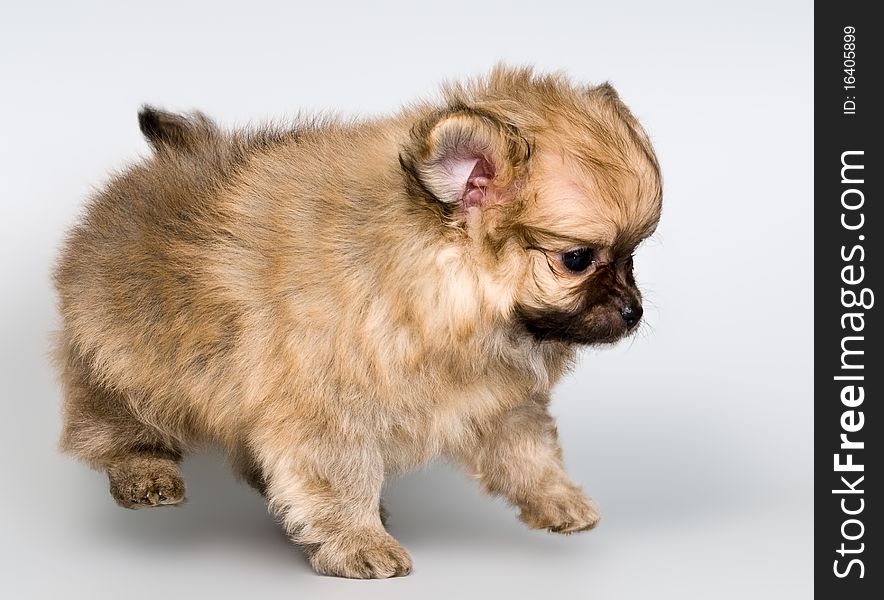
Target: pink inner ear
477 184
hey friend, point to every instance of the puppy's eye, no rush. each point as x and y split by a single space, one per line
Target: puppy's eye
578 260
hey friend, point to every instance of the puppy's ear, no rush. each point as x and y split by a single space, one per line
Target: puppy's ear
463 159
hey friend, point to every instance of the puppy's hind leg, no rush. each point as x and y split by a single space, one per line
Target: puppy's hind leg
518 457
100 428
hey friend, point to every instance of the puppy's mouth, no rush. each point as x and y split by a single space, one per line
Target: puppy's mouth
595 327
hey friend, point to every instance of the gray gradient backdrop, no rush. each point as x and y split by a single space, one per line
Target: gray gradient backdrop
695 438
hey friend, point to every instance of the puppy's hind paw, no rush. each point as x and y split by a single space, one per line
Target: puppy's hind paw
564 514
144 482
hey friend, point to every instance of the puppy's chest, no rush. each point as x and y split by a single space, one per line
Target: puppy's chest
444 416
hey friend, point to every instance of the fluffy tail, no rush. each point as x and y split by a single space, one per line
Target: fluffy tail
167 131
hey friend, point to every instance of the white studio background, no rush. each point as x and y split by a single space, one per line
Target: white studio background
695 438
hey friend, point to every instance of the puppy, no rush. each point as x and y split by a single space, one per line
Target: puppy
338 301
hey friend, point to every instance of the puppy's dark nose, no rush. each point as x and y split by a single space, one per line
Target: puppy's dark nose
631 314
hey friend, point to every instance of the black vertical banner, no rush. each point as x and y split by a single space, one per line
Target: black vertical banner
848 332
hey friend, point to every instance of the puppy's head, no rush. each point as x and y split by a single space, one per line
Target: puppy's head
549 187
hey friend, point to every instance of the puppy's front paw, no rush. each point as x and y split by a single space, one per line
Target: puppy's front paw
562 513
364 555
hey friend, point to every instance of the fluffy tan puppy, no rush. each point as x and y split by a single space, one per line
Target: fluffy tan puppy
339 301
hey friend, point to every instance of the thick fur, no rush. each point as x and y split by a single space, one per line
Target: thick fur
339 301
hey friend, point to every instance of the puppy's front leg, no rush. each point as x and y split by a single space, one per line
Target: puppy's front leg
517 456
326 490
